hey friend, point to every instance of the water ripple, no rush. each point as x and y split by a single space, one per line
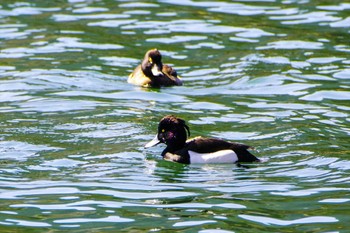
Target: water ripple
111 219
73 130
21 151
307 220
292 44
65 17
311 17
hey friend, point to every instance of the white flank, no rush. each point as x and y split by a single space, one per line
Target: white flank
155 71
221 156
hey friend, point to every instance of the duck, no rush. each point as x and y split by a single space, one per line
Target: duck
173 132
152 72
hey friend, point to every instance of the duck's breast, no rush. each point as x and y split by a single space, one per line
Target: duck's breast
221 156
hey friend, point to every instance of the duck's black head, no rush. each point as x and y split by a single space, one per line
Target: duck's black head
172 131
152 63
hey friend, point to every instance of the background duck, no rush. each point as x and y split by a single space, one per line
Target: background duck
152 72
173 132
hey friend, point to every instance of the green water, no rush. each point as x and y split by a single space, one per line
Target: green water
271 74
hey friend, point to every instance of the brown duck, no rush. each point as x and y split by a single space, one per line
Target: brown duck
152 72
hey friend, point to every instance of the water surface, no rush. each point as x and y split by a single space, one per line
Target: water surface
271 74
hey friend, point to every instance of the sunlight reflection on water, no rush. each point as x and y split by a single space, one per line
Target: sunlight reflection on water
73 130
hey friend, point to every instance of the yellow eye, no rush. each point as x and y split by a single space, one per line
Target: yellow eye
150 60
163 130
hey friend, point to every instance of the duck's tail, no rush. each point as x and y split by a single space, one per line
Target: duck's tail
243 153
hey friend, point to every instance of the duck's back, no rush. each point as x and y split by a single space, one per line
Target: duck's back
137 77
207 145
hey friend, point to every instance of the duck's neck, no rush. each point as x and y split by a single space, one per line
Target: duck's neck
173 147
147 68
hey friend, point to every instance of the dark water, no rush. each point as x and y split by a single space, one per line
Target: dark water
271 74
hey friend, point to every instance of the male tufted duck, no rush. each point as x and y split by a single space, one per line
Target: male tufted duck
173 132
152 73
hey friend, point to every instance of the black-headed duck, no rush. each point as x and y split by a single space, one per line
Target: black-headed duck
173 132
152 72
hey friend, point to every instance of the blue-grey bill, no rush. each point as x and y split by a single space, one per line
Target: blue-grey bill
154 142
